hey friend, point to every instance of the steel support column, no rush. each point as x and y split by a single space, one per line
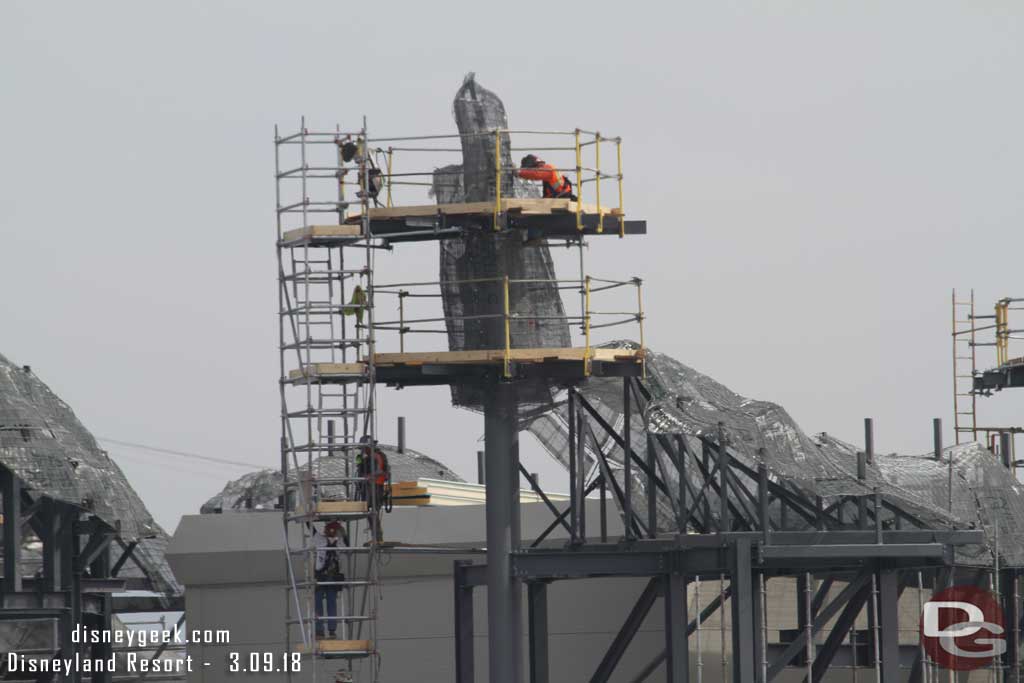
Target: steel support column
677 659
743 632
888 622
652 490
100 569
463 624
504 622
10 489
627 461
537 592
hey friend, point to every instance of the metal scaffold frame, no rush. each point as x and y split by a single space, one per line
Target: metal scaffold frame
318 350
968 386
322 284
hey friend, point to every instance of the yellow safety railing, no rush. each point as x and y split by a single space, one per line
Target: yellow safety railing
588 287
584 175
1003 332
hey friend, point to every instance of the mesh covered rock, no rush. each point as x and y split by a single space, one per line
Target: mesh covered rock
56 457
484 253
262 490
688 404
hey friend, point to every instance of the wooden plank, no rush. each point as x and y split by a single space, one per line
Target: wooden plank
412 491
313 231
328 370
497 356
339 646
412 501
334 507
524 206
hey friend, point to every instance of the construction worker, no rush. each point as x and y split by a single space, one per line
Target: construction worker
328 571
372 466
556 185
374 179
356 305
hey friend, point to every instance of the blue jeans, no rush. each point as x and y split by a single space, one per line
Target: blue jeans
328 594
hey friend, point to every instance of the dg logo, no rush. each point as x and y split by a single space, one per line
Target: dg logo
962 628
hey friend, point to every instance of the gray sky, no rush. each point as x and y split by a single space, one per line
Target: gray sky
816 178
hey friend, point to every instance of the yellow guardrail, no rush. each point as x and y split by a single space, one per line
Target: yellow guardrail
584 175
587 287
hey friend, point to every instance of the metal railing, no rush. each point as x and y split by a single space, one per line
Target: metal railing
587 288
1004 333
383 153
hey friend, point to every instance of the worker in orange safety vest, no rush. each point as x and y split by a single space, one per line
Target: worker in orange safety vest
556 185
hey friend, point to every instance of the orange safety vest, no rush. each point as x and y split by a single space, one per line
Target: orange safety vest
555 184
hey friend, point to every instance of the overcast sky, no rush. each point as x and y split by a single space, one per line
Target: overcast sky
816 178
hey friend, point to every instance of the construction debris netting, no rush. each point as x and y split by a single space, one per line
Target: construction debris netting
54 455
486 254
688 404
262 490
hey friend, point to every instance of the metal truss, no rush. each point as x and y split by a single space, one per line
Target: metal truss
75 585
860 551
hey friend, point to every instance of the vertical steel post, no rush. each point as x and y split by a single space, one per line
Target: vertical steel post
581 475
504 627
757 635
11 492
877 502
762 500
869 439
681 468
627 460
463 624
1006 450
862 476
888 618
723 481
401 434
937 438
537 597
100 569
677 654
480 467
604 510
742 599
574 502
652 491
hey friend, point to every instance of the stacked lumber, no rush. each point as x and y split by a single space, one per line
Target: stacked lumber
409 493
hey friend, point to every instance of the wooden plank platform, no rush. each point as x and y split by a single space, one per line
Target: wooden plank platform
353 647
489 356
341 507
533 207
313 232
328 371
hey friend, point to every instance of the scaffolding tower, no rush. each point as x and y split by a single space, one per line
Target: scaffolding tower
328 399
970 381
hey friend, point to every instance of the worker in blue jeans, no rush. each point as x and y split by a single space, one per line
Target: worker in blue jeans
328 570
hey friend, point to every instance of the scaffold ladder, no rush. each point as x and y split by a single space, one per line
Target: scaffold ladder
328 401
965 366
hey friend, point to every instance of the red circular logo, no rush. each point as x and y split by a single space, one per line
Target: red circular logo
962 628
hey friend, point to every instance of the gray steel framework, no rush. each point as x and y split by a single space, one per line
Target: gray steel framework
877 553
75 585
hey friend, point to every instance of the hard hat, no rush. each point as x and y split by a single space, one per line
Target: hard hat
334 527
529 161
